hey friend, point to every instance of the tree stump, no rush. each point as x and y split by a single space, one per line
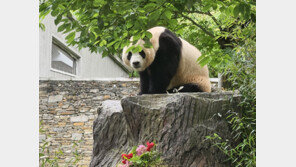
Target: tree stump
178 123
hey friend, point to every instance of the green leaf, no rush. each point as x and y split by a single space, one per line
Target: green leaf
43 6
168 14
137 49
136 38
143 36
111 43
214 5
253 17
222 9
129 25
148 34
123 44
55 12
204 60
247 11
68 28
96 42
155 15
236 10
41 25
58 20
134 150
62 27
130 48
105 53
61 6
70 37
102 43
150 6
148 45
116 45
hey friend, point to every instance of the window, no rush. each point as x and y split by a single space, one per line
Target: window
62 60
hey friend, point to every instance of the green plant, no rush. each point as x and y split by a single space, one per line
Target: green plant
134 74
241 74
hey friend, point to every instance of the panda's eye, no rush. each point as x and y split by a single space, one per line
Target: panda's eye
129 55
142 53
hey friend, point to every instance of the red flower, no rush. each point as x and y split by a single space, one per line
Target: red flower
149 145
124 161
123 155
129 156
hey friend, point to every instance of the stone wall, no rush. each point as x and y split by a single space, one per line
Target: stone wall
67 110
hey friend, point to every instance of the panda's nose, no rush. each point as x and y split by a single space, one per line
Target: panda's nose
136 64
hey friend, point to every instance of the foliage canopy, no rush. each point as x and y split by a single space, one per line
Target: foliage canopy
106 26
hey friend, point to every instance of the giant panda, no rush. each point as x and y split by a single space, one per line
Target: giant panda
169 65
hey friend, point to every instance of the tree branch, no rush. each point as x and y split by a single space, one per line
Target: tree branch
209 14
199 26
196 11
215 20
158 7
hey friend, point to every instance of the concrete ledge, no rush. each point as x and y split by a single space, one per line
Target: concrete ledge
91 79
213 80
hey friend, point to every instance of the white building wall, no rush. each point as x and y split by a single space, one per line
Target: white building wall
90 66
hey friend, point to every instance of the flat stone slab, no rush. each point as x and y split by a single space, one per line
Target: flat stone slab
56 98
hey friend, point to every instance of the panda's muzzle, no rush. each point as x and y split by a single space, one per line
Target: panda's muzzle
136 64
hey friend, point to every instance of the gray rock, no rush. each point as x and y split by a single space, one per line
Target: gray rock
47 116
58 129
109 107
65 106
68 151
179 123
76 136
81 118
42 138
94 90
67 135
98 98
56 98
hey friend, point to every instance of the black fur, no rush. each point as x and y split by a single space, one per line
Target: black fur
129 56
157 77
142 53
144 82
186 88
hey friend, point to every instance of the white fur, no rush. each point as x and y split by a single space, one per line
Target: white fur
156 32
189 71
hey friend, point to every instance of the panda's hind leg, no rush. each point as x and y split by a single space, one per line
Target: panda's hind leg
185 88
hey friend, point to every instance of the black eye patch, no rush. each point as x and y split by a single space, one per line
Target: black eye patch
129 56
142 53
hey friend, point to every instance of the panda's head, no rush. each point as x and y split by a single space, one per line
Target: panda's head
138 61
